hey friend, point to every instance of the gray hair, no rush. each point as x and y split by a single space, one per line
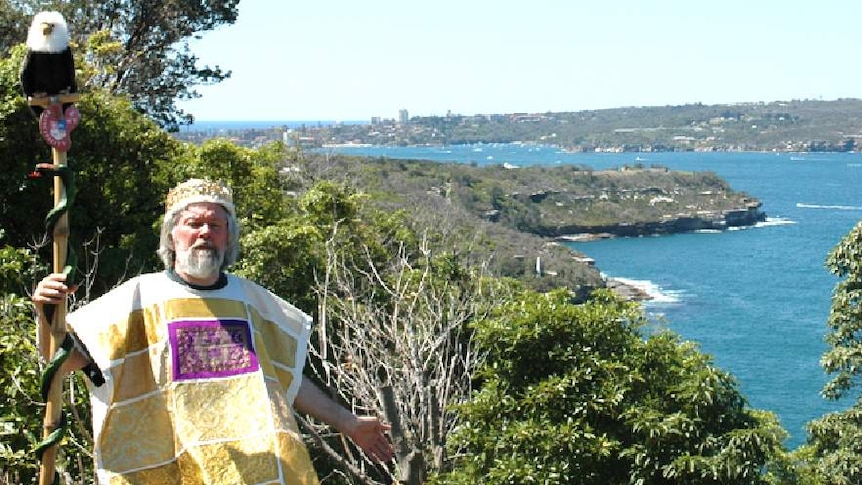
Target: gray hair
166 243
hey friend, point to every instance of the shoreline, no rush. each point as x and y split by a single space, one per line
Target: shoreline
608 150
628 289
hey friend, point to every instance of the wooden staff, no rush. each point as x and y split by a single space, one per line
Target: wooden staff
60 234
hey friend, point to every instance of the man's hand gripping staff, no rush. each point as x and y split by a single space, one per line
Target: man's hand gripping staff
48 82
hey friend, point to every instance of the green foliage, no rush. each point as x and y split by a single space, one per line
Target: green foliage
284 249
14 23
19 153
17 269
843 359
154 65
259 190
125 157
134 48
122 162
21 412
331 203
797 467
455 199
574 394
284 257
832 452
285 254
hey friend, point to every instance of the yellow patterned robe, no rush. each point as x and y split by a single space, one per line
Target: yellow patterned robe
199 384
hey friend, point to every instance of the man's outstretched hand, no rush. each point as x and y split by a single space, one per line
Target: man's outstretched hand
368 432
370 435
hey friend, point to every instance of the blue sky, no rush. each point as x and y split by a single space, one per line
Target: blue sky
349 60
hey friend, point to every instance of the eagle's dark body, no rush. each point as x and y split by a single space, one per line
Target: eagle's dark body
49 73
49 68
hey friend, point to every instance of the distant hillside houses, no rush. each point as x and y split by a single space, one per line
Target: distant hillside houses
785 126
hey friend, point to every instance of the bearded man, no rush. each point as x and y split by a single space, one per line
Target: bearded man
202 368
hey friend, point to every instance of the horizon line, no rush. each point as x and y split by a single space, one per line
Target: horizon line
450 113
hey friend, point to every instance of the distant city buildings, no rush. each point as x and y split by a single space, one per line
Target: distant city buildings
403 119
777 126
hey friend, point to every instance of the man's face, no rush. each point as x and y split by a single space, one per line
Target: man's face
200 239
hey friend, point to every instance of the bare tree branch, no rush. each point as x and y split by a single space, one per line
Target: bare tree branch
393 341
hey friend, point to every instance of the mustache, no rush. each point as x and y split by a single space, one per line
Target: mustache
203 245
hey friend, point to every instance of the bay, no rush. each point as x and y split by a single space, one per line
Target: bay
755 299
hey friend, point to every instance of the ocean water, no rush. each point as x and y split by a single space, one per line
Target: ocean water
755 299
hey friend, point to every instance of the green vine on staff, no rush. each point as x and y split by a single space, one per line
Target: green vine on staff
48 82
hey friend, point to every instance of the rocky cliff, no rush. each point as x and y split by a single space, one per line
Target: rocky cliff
705 221
628 202
509 221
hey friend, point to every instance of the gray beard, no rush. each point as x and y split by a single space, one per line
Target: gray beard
199 263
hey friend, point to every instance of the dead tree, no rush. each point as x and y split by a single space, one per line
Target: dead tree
392 340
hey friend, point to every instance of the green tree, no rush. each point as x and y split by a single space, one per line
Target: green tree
137 48
118 157
843 359
260 191
833 440
286 250
122 163
284 256
575 394
21 409
15 23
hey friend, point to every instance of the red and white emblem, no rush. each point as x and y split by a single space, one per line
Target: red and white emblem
55 125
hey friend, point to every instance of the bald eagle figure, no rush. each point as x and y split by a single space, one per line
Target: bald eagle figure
49 68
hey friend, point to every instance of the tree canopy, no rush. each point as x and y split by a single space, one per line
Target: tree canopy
575 394
832 453
136 48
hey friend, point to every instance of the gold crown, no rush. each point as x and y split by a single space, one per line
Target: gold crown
199 190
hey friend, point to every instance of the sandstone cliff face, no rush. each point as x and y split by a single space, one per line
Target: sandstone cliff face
720 220
624 203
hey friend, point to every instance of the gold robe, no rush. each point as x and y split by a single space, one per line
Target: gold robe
199 384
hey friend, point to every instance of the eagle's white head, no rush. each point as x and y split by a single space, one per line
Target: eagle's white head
48 33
